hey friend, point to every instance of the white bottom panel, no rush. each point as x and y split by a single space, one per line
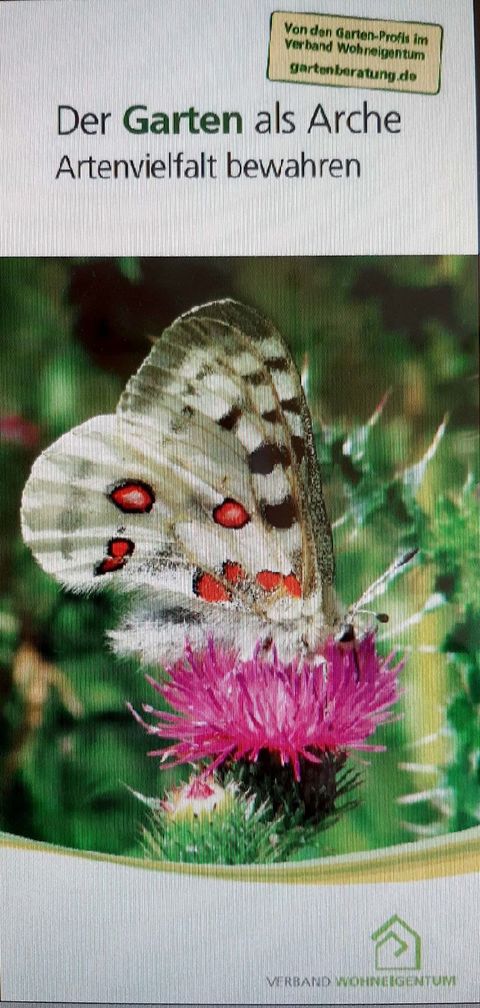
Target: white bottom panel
75 929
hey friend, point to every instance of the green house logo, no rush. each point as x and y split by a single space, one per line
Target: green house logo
397 946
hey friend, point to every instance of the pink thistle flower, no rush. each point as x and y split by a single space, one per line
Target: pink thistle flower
227 708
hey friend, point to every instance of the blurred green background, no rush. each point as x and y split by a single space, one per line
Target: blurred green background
72 332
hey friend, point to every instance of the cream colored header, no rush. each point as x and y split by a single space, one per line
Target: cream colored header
295 174
355 52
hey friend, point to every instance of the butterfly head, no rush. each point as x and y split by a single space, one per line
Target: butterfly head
350 629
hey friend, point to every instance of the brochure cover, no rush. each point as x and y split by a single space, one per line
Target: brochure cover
239 610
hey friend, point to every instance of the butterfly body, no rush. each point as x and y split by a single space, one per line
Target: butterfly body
201 496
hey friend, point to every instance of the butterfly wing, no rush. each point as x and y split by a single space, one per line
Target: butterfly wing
279 370
226 362
194 493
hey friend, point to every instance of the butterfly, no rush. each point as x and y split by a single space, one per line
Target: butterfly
200 496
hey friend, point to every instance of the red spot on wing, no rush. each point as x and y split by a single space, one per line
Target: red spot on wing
120 548
133 497
109 564
233 572
231 514
292 585
269 580
210 589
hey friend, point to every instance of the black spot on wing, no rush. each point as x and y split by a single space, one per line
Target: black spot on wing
280 516
204 371
180 423
189 389
273 416
277 364
298 445
293 405
230 420
264 458
256 378
179 614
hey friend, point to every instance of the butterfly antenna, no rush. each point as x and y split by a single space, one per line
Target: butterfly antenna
381 617
380 585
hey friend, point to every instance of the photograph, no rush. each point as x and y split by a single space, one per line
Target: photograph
239 618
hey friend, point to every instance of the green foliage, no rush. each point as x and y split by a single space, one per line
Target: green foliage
245 825
454 550
71 334
241 833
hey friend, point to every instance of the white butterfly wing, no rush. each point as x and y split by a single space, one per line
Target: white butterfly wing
229 363
201 485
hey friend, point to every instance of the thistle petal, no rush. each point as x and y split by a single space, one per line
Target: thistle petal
228 708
